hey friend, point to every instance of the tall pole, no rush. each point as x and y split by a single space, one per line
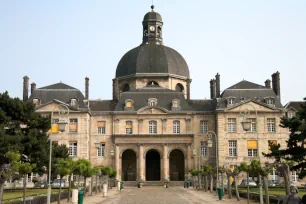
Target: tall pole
50 157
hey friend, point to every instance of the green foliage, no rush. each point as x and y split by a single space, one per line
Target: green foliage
296 150
113 173
23 130
81 167
26 167
106 170
63 168
12 168
195 172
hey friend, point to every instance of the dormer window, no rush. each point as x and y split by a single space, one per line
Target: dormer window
152 102
269 101
176 104
73 102
230 101
128 104
36 101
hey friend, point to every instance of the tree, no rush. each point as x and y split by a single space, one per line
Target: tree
23 130
295 150
229 173
222 171
194 173
72 167
246 168
59 152
9 167
24 169
62 169
87 172
265 172
81 167
235 174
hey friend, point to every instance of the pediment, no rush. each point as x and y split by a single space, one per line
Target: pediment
251 105
52 106
152 110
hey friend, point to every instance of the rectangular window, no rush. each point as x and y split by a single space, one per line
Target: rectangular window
203 126
204 149
73 126
253 125
128 104
176 127
101 150
271 124
232 148
101 127
231 124
73 148
129 127
152 127
252 148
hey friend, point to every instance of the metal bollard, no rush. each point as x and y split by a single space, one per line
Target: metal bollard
75 194
105 189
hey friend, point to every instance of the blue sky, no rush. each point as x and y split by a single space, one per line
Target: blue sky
53 41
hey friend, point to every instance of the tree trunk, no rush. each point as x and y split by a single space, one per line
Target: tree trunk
222 182
285 170
265 180
85 186
79 178
59 191
211 183
236 188
193 183
206 183
2 181
24 188
69 189
96 184
229 187
91 185
248 189
199 181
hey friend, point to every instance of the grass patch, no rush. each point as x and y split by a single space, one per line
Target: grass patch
273 191
16 194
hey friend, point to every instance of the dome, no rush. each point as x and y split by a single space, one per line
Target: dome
152 16
152 59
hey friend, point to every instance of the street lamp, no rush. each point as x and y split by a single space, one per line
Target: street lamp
246 126
61 126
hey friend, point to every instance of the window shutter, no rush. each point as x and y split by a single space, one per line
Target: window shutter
101 123
252 144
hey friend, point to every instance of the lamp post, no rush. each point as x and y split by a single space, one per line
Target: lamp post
61 126
246 125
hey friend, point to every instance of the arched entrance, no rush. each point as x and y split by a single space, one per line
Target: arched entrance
129 167
177 165
153 165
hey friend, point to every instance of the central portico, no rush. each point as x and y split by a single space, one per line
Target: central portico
153 157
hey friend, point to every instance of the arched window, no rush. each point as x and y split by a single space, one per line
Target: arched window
73 102
126 87
36 101
145 31
179 87
152 102
152 83
152 127
176 127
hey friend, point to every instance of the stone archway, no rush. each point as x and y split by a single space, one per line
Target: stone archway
129 165
152 165
177 165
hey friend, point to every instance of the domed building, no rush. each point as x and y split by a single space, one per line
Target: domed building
151 130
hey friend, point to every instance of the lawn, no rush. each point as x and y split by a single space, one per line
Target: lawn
15 194
273 191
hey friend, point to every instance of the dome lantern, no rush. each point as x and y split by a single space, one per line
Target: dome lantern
152 27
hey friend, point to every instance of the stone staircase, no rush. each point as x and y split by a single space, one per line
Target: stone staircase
153 183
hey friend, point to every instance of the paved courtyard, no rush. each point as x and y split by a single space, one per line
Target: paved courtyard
160 195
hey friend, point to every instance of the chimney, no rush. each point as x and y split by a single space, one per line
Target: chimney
33 87
268 83
86 88
218 85
276 84
25 88
213 89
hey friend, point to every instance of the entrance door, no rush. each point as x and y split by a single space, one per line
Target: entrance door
153 165
129 171
177 165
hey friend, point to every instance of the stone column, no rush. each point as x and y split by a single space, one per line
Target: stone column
141 163
166 162
117 158
189 156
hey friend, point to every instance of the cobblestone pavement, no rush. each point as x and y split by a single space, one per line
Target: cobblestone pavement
160 195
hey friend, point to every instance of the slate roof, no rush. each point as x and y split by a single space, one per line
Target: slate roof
58 91
246 90
295 105
102 105
152 59
152 16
